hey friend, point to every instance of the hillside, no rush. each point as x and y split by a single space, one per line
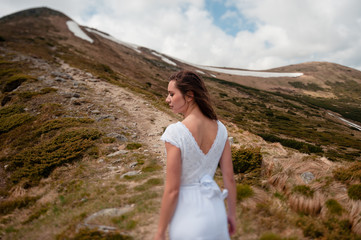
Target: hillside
81 117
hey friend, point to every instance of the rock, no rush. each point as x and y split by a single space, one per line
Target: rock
100 160
75 102
111 117
133 164
118 136
117 161
57 74
117 153
231 140
131 173
88 75
95 112
41 78
67 95
59 79
91 221
76 95
307 177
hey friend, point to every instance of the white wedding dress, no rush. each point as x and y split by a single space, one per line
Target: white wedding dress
200 213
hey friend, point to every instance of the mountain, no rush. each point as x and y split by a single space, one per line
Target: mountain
81 116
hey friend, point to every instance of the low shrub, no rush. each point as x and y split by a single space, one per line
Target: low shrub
39 161
273 236
301 146
332 228
354 192
11 110
303 190
133 146
14 82
334 207
28 95
60 123
108 140
13 121
345 174
244 191
8 206
246 160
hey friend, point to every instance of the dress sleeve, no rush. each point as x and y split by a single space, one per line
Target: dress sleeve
171 135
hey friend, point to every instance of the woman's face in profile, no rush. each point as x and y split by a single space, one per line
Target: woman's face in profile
175 98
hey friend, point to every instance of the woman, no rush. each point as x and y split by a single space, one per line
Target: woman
192 203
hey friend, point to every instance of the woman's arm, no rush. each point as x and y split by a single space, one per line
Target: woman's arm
230 185
171 189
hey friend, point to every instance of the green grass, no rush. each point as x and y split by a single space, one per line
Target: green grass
354 192
303 190
244 191
149 184
133 146
334 207
273 236
8 206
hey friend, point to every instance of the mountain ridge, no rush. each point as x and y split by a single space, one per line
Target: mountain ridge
33 12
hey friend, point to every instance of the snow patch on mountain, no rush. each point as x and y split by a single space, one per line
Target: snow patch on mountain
129 45
74 28
249 73
164 58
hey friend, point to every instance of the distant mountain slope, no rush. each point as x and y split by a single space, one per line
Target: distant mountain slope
286 107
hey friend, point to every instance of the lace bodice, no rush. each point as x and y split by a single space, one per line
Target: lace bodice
195 164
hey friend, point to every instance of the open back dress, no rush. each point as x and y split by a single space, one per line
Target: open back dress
200 213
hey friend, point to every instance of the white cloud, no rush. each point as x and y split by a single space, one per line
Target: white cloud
286 32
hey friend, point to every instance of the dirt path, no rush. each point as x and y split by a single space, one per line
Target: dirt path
148 121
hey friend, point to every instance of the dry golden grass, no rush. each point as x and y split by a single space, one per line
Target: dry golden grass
306 205
355 216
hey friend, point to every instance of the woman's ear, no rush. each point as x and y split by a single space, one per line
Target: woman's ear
189 96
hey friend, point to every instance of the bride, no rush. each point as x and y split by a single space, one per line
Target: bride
192 203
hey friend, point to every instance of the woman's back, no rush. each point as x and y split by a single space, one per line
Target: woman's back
203 130
197 162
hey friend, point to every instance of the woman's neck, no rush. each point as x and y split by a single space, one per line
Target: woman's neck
193 111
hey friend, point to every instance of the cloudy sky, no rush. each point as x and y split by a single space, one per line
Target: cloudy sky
250 34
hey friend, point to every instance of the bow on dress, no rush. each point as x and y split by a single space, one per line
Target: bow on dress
210 188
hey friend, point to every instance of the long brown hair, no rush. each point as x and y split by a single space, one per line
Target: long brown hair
189 81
